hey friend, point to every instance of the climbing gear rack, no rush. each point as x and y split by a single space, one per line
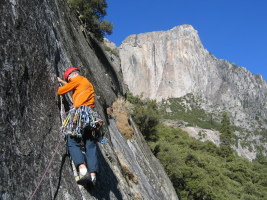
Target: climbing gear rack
82 118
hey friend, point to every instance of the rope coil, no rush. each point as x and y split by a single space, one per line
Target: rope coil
79 119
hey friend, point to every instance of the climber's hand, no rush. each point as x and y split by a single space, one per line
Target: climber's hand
61 81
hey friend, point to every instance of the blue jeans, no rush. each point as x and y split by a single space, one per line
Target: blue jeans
78 157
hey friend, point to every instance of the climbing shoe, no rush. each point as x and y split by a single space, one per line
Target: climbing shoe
93 180
84 179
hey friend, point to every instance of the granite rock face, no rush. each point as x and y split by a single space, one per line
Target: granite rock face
39 39
174 63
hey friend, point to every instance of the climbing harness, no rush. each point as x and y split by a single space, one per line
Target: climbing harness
75 123
83 118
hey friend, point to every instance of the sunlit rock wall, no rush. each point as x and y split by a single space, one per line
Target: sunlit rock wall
163 64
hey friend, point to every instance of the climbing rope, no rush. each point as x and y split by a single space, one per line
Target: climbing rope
82 117
79 119
48 166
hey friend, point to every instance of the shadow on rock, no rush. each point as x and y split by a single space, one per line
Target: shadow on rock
60 174
106 186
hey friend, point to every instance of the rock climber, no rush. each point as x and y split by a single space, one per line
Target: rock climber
83 94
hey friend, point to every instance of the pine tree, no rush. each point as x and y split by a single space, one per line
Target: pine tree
226 131
226 136
92 13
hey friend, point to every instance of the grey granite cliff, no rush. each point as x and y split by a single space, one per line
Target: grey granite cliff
174 63
39 39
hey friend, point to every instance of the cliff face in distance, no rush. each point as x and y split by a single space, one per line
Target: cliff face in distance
174 63
39 39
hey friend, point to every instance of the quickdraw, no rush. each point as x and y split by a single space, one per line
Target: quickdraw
79 119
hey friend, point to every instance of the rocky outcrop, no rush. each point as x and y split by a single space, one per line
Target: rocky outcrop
40 39
174 63
113 54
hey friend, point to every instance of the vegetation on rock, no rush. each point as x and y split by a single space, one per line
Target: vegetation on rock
92 13
200 170
111 50
146 116
121 115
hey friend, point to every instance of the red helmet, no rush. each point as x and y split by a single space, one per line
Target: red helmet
68 71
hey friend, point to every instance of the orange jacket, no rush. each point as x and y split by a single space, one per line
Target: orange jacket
84 93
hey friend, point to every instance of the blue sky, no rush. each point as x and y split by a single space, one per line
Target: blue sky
235 30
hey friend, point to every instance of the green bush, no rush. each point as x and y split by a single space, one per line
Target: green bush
136 100
199 170
147 118
194 116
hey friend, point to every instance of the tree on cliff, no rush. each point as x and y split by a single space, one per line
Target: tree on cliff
226 136
145 115
92 13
